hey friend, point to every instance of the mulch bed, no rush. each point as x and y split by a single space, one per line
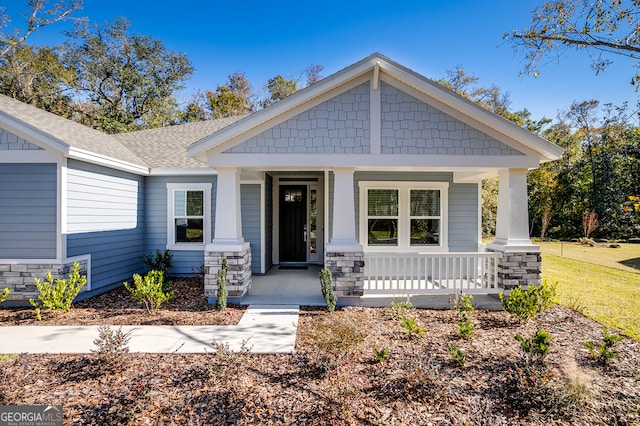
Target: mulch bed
333 377
116 307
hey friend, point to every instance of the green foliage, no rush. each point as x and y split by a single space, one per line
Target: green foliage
161 261
279 88
604 352
410 326
326 286
535 348
525 304
464 303
459 357
111 348
399 309
5 293
466 328
380 355
149 290
232 98
221 301
58 295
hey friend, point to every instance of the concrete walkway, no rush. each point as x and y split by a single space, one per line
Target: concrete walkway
262 329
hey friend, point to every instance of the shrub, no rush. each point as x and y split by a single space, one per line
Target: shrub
379 356
111 347
335 341
604 352
398 309
161 261
464 303
459 357
326 285
466 327
535 348
525 304
410 326
221 301
149 290
58 295
4 294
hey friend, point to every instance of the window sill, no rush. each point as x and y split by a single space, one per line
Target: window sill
186 247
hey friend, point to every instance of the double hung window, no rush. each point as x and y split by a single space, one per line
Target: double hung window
188 224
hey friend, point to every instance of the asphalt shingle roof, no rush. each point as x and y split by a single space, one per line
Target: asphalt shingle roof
166 147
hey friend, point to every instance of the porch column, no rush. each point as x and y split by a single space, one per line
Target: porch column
521 261
228 241
344 255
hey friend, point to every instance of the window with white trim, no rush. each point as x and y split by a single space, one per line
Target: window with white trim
402 216
188 216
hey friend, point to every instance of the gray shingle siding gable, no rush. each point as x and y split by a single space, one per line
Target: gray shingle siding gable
115 250
28 211
410 126
12 142
337 126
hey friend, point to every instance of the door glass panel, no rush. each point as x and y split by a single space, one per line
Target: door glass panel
292 196
313 214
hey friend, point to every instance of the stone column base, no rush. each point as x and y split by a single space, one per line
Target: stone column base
518 268
238 273
347 270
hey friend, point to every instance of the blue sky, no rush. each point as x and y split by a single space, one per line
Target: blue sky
268 38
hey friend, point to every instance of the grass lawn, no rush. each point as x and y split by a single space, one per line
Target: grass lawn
600 282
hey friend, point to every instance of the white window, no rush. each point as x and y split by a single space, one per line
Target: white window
404 216
188 216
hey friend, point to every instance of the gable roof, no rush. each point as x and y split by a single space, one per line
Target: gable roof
377 64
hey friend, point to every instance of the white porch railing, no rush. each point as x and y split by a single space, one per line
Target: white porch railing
431 273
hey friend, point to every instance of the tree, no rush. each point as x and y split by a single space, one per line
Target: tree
604 28
279 88
313 73
231 98
37 17
36 75
131 78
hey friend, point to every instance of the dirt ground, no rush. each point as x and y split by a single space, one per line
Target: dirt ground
334 377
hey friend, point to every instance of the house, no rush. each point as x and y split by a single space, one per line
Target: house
375 171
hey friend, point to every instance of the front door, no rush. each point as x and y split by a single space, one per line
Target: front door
293 223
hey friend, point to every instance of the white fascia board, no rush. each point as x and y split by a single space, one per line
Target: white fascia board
544 148
322 161
31 134
182 172
91 157
285 109
474 176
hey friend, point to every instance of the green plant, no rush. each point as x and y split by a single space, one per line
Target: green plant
58 295
326 285
464 303
398 309
459 357
525 304
149 290
111 347
466 328
535 348
161 261
4 294
603 353
380 355
221 301
410 326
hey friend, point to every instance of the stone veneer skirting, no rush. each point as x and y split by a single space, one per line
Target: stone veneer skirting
347 270
238 272
519 269
20 277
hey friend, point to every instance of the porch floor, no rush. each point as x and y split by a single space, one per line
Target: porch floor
286 287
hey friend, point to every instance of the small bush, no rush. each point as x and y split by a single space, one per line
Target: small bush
58 295
410 326
466 328
4 294
459 357
525 304
111 348
380 355
604 353
149 290
399 309
221 301
535 348
326 285
161 261
338 337
464 303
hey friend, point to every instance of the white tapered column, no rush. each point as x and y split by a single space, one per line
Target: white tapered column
228 225
343 220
